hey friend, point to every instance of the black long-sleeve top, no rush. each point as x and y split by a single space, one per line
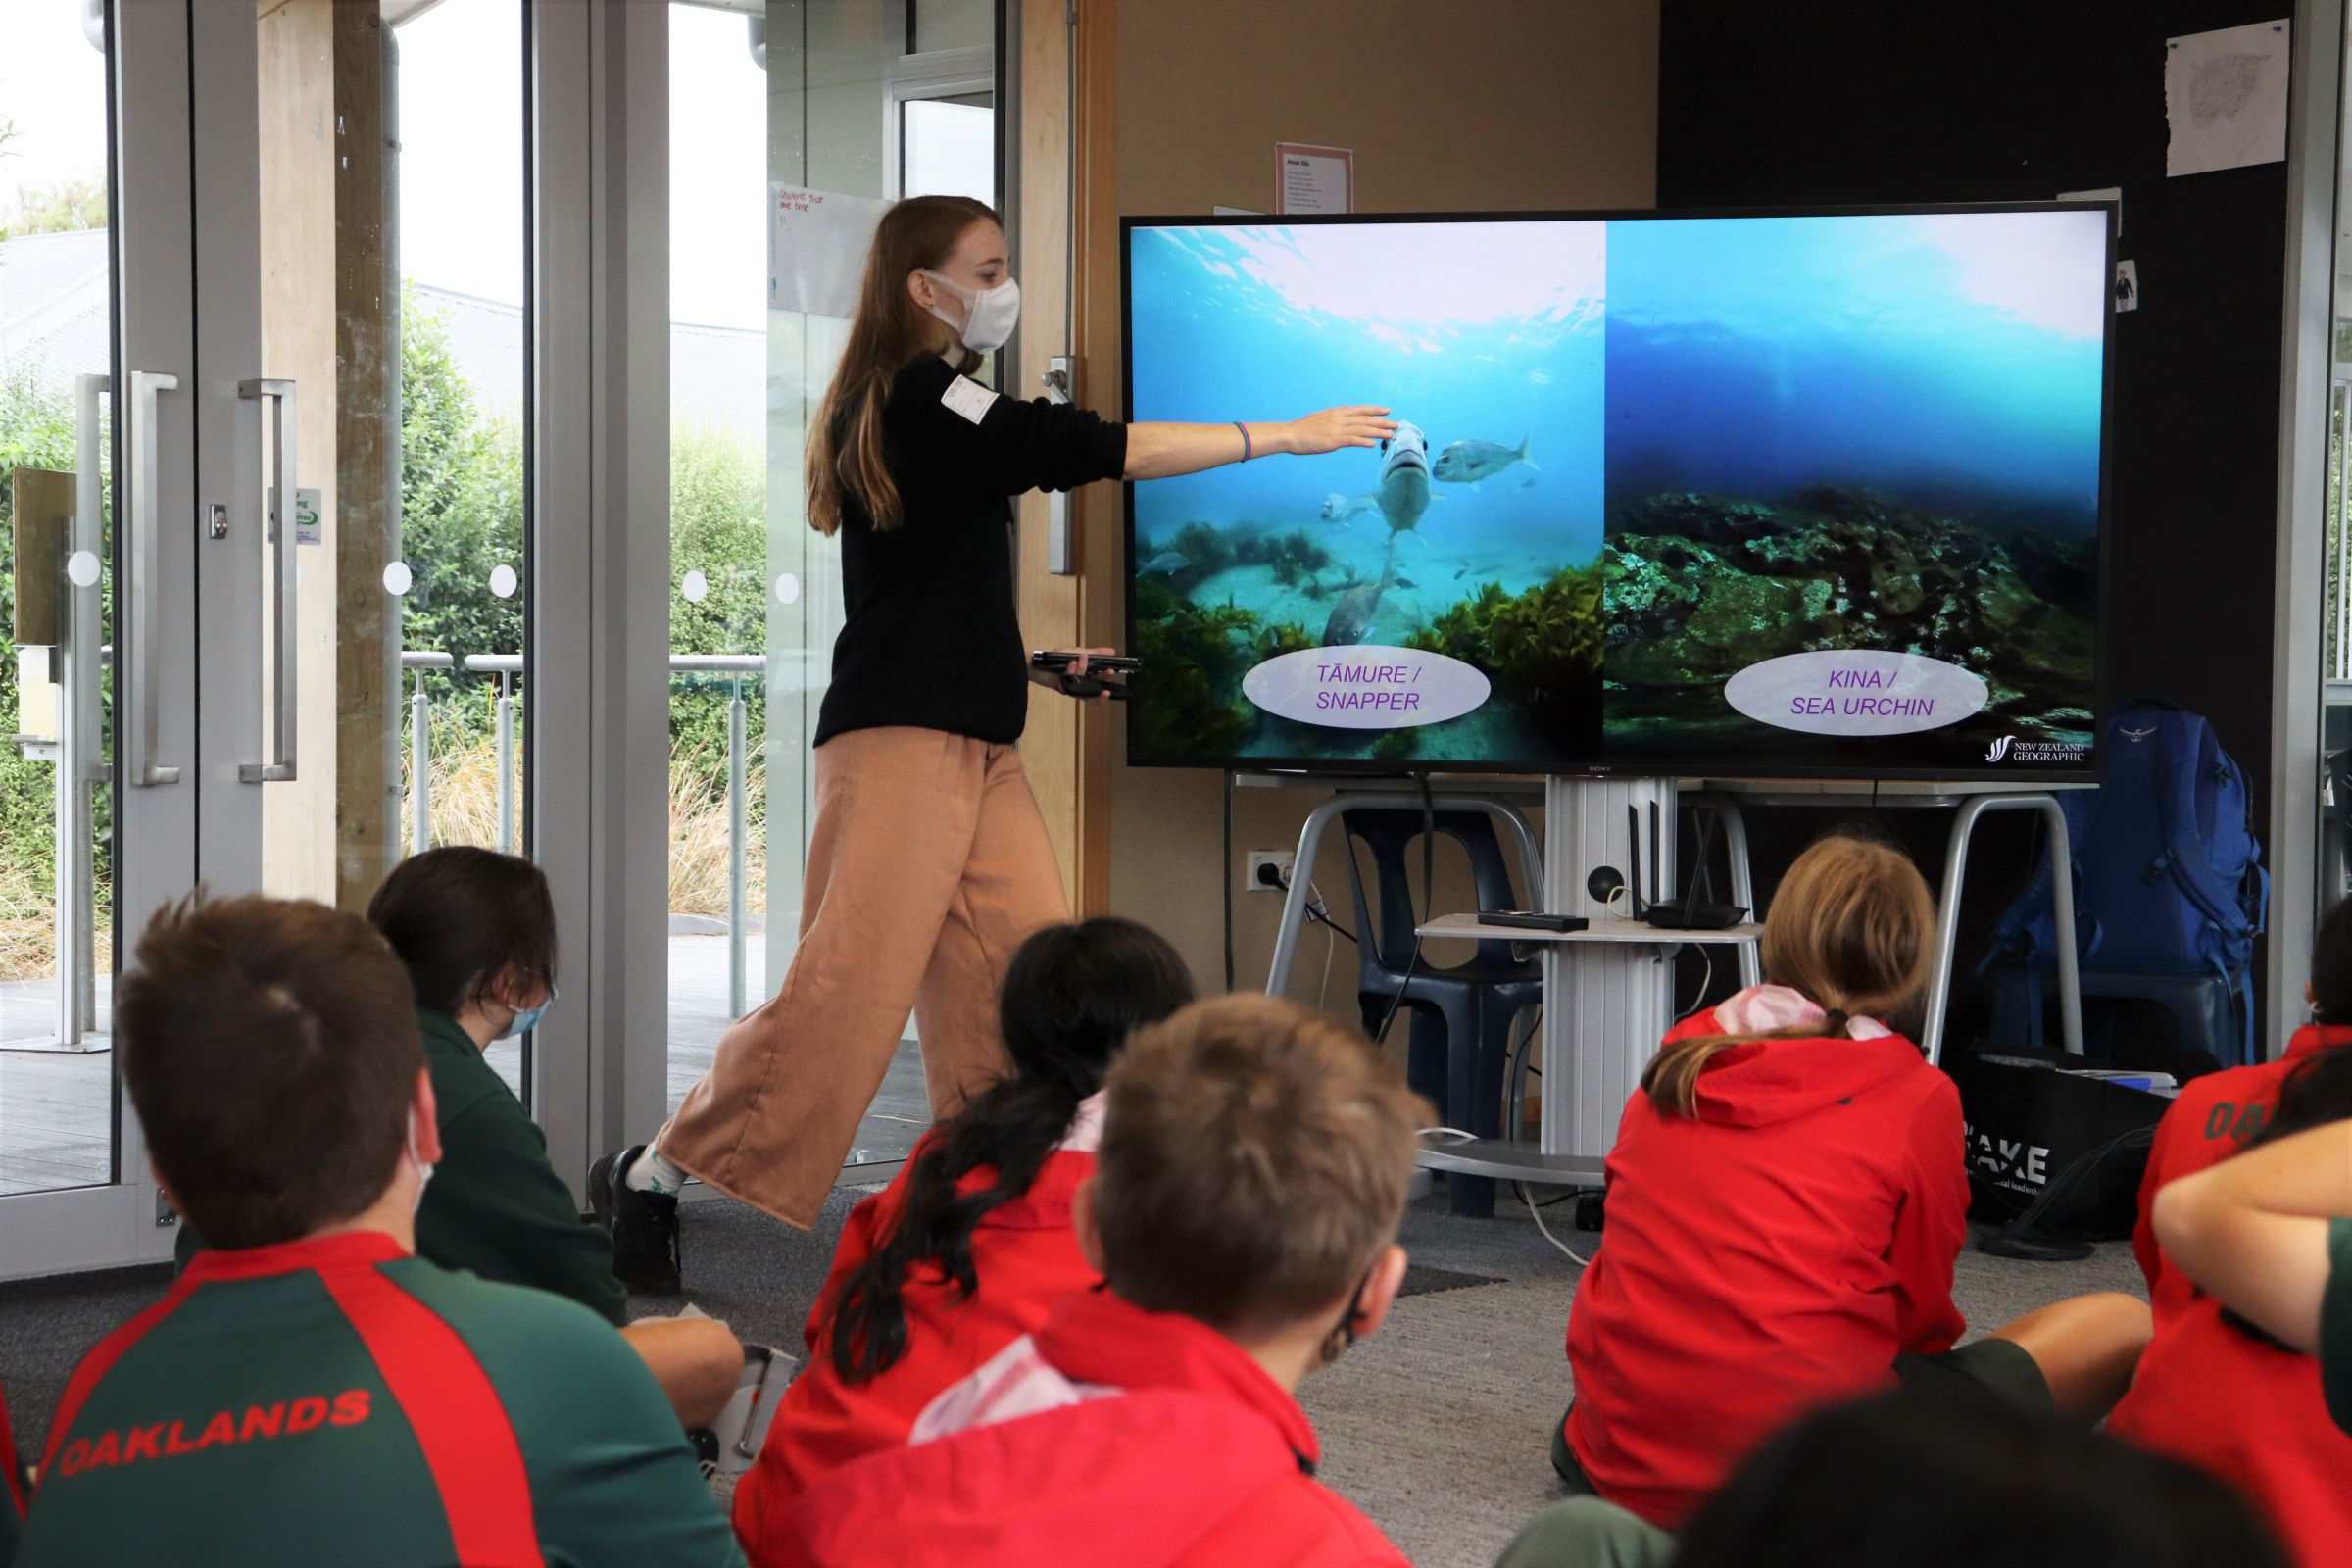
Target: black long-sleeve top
931 637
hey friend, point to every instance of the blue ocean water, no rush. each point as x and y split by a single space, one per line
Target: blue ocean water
1952 360
1270 323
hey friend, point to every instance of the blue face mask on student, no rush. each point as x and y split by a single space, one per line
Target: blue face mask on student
529 1017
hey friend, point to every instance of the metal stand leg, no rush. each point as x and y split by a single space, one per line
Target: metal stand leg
1947 914
1311 843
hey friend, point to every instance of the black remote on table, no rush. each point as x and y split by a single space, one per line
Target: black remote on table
1535 920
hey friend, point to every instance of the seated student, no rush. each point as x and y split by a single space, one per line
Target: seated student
308 1392
477 933
1242 1213
2216 1390
2222 1112
1927 1477
2270 1235
1786 1203
966 1250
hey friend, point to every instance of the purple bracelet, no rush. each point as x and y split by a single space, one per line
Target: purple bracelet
1248 450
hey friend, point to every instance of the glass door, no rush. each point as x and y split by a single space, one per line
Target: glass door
100 746
388 154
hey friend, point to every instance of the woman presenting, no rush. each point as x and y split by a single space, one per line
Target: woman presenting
929 863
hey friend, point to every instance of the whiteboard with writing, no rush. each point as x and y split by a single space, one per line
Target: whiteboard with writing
817 244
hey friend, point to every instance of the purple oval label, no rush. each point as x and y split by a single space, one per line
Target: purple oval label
1855 692
1365 687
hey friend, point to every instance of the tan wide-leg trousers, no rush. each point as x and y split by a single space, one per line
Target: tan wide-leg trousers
928 867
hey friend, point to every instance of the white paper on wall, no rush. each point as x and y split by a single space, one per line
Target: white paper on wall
817 244
2225 94
1313 179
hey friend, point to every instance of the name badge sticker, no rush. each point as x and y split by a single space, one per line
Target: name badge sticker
968 398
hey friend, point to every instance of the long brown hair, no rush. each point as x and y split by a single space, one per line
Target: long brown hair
1851 929
890 332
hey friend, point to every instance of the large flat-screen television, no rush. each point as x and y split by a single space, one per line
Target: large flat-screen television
1780 494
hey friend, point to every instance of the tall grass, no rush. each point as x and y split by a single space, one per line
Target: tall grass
464 808
29 924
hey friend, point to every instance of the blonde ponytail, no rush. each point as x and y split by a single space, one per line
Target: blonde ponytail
1852 929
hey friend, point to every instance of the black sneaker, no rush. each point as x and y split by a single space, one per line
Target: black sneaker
644 1226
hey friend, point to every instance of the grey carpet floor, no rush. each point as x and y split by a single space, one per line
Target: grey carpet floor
1438 1426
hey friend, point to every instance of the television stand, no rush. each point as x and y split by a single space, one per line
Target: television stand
1615 963
1969 803
1608 988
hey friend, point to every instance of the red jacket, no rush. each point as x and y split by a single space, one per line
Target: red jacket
2210 1393
1025 1256
2252 1414
2211 1120
1772 1253
1152 1442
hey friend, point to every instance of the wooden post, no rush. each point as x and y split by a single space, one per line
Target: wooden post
367 457
1066 748
294 48
44 513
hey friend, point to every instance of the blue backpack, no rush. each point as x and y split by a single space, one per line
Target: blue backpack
2168 876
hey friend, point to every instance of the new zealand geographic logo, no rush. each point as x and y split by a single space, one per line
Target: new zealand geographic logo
1998 748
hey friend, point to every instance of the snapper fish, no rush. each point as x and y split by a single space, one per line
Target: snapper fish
1468 462
1403 493
1337 507
1352 616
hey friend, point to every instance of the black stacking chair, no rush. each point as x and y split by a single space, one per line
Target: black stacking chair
1461 1016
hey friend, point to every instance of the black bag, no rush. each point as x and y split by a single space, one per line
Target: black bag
2061 1152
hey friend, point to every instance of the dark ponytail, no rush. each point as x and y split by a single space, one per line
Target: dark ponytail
2331 966
466 921
1072 996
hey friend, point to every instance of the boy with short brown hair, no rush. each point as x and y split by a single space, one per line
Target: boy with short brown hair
309 1390
1244 1213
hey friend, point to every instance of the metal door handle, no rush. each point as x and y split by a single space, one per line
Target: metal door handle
282 529
139 768
1061 386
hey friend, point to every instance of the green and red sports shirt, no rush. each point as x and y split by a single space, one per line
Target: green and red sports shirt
338 1400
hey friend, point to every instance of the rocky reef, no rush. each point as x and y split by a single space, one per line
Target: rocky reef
1541 648
1202 550
1699 586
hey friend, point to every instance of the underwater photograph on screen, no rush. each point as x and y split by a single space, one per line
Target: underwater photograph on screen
1853 433
1472 539
1775 494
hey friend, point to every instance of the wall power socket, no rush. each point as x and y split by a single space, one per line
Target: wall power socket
1269 870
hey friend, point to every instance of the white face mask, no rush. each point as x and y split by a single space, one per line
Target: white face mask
989 314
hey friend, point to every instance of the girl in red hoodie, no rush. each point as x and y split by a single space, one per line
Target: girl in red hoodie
1786 1201
972 1245
2219 1392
